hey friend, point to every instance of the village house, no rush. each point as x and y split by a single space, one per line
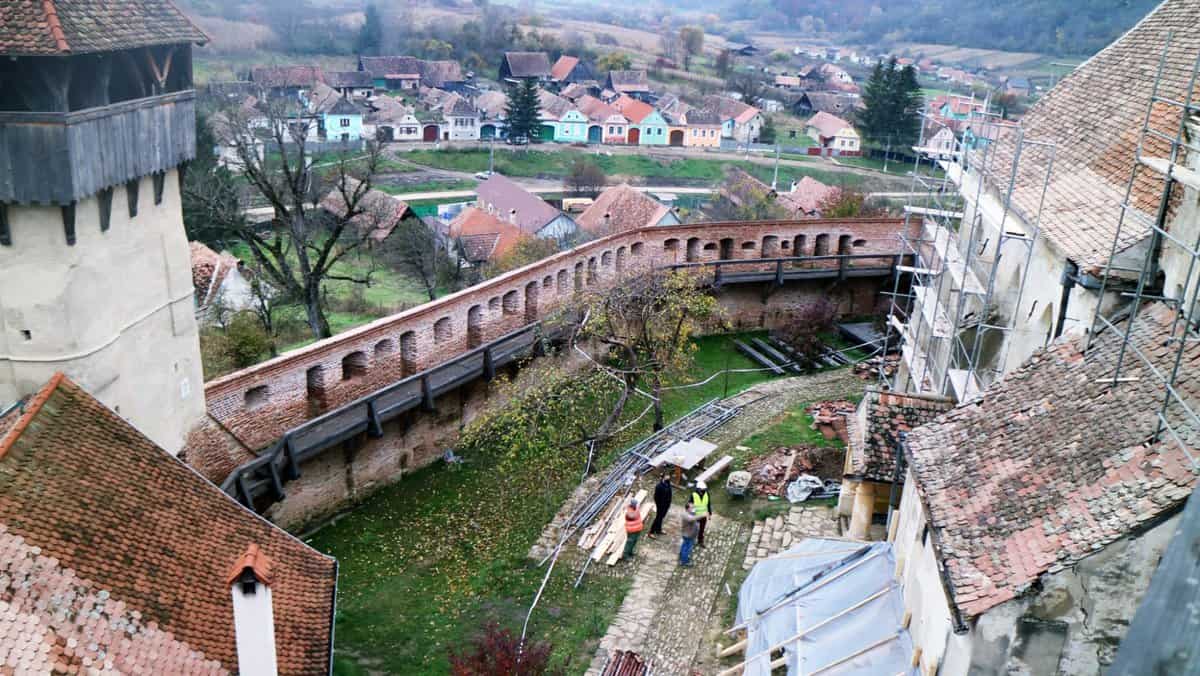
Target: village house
391 120
739 121
462 120
835 103
482 237
351 83
835 135
606 123
525 66
633 83
400 73
561 121
380 214
493 111
501 197
703 129
205 586
1017 86
802 200
569 70
290 82
647 126
622 207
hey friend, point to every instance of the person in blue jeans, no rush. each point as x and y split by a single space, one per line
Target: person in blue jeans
690 530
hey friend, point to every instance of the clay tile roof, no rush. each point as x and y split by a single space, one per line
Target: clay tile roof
502 197
439 73
832 102
209 269
390 66
348 78
621 208
631 108
461 107
379 212
573 91
1096 143
595 109
528 64
288 76
622 81
98 523
256 561
493 103
1051 463
876 427
808 195
553 105
828 125
563 67
50 27
700 117
483 236
730 109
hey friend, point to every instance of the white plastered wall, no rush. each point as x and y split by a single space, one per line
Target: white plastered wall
114 311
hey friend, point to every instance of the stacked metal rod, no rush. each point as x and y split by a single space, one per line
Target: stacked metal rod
626 663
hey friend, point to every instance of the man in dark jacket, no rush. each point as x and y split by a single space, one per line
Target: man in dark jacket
662 502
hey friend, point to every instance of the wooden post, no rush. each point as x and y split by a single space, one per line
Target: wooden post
293 465
276 481
489 365
68 219
5 231
426 395
374 425
864 507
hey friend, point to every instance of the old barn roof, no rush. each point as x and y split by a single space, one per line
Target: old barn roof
56 27
621 208
99 524
348 78
1051 464
287 76
563 67
527 64
622 81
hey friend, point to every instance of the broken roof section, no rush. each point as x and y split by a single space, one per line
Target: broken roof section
833 606
60 27
1095 145
876 427
1052 464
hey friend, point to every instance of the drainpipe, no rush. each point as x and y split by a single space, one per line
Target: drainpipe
1070 272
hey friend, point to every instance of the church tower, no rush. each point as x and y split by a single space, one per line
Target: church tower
97 117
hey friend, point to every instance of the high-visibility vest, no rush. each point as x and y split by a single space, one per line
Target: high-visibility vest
701 503
633 520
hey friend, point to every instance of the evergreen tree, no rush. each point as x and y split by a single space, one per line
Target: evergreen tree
370 36
522 110
908 100
873 118
892 106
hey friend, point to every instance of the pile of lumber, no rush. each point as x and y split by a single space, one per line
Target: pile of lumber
625 663
870 369
606 538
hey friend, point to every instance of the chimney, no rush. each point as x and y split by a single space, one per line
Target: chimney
253 616
512 216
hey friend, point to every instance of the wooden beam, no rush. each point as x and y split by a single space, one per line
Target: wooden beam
160 179
131 196
5 229
856 653
735 648
68 219
293 465
426 395
820 583
489 365
374 425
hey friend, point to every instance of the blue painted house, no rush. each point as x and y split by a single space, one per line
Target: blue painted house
342 121
647 126
572 127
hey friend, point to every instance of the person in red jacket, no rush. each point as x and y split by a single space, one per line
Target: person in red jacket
633 528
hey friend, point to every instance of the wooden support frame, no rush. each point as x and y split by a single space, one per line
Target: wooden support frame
105 198
276 481
5 228
293 465
427 395
160 179
374 425
489 365
68 219
131 196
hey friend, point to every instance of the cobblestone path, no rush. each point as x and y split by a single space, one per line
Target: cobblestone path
664 614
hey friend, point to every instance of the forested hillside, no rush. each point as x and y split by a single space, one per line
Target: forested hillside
1074 27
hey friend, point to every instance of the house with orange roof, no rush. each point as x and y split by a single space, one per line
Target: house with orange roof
647 126
739 121
606 124
569 70
481 236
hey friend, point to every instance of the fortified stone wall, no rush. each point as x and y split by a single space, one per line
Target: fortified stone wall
355 363
258 404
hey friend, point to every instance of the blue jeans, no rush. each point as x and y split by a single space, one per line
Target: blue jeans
685 551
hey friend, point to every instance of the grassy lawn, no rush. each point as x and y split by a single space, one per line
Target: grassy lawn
426 562
545 164
429 186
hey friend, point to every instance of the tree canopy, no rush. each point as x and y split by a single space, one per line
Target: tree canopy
892 103
522 110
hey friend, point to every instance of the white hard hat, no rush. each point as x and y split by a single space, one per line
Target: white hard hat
701 485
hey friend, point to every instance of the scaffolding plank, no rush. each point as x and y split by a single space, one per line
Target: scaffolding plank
931 311
945 243
964 383
926 211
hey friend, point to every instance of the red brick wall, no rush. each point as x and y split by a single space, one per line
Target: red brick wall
382 345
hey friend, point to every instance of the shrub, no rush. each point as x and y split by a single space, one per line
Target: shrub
499 652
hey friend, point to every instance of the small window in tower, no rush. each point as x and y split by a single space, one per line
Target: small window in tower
27 334
256 397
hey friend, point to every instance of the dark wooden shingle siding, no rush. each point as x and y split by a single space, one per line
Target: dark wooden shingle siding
57 158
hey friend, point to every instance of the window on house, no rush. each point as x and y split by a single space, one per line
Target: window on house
345 122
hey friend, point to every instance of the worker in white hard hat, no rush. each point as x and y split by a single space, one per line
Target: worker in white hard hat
700 502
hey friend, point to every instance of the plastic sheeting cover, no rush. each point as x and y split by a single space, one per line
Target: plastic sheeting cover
840 597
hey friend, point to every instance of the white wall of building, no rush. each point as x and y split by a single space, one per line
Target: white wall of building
114 311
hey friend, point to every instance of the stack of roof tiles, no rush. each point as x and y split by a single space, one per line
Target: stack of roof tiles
1053 463
115 557
1094 118
57 27
875 432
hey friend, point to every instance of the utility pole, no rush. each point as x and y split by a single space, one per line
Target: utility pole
491 155
887 153
775 176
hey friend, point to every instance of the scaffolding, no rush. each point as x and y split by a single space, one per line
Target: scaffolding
1177 418
947 313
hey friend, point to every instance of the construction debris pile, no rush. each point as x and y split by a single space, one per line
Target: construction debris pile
829 418
869 369
625 663
770 473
